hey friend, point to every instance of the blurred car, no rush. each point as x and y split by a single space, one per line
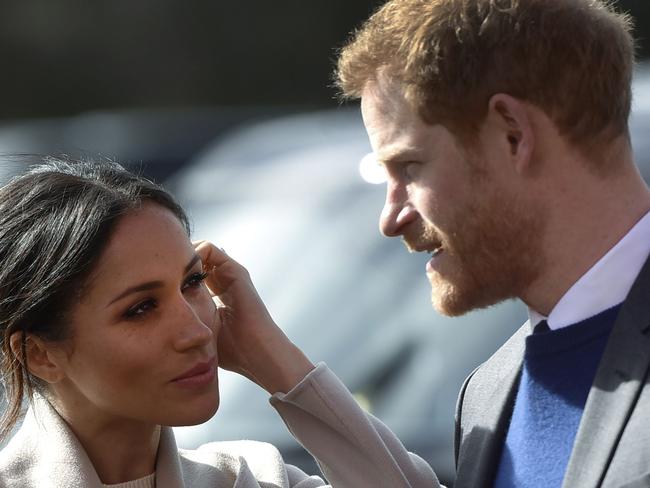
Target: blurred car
155 142
287 199
291 199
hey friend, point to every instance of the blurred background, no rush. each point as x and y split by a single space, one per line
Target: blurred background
71 56
230 105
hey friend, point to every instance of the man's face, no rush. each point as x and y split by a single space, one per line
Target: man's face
459 205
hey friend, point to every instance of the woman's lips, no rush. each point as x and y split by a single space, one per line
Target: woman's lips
199 375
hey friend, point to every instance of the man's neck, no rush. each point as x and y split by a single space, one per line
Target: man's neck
586 221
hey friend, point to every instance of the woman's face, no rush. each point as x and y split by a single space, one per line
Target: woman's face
143 343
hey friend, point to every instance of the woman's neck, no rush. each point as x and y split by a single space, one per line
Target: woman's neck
120 450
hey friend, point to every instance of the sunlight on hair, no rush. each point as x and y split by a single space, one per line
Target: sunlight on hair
371 171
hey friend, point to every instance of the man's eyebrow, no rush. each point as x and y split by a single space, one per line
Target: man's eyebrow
394 156
151 285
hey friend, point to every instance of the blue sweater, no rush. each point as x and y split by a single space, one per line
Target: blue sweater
558 370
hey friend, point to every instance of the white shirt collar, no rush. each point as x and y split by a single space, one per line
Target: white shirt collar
607 282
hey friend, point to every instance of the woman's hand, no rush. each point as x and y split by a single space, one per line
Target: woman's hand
249 341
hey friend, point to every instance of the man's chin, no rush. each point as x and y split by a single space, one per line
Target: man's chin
447 305
445 297
453 300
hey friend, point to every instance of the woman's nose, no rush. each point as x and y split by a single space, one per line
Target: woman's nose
191 331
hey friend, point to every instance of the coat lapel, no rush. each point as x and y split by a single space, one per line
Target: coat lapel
169 473
616 388
46 453
57 457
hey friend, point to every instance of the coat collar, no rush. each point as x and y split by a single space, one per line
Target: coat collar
47 454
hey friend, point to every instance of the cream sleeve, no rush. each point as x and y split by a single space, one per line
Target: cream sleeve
354 449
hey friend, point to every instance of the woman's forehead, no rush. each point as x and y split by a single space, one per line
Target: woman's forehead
147 243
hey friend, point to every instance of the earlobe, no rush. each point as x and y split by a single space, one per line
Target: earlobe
38 356
512 119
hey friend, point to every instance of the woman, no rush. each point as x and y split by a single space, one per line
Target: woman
113 325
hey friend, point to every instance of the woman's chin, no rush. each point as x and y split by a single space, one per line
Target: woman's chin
195 413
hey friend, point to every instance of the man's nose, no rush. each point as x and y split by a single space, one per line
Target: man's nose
397 211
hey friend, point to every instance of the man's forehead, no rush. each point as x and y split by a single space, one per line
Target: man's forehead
383 95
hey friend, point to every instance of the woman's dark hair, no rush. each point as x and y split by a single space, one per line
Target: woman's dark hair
55 221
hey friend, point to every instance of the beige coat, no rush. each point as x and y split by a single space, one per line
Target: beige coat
353 449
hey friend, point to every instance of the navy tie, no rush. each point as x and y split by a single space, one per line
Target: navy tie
541 327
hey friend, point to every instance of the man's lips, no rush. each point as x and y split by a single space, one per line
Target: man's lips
433 249
198 369
433 263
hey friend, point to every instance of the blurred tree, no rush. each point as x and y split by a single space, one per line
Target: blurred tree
71 56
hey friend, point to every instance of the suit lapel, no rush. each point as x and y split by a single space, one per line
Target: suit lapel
616 388
486 407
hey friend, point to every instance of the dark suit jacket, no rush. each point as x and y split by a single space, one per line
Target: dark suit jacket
612 446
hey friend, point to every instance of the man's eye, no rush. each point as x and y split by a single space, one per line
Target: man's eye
195 280
411 169
140 309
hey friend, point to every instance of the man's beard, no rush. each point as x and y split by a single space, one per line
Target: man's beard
490 251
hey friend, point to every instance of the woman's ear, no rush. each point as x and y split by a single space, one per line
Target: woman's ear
511 117
43 359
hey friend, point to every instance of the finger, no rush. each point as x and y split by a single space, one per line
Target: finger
217 258
222 270
210 254
205 251
225 315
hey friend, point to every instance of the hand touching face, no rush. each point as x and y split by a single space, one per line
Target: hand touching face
250 343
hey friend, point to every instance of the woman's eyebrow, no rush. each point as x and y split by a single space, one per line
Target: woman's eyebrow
192 262
151 285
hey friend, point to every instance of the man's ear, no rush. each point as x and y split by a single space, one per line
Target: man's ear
511 118
43 359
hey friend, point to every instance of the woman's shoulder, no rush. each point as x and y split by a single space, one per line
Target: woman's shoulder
18 457
260 461
232 451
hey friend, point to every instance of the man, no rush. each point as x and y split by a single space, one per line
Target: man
502 127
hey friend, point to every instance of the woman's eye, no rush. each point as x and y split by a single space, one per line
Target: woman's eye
144 307
140 309
195 280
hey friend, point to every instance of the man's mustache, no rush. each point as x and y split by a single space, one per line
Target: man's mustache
426 240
